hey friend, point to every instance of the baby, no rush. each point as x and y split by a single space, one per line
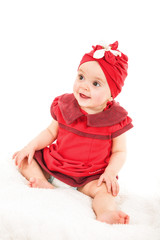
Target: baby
89 128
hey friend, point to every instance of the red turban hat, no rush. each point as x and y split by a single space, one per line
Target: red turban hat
113 63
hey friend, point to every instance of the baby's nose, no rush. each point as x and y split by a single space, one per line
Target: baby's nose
85 86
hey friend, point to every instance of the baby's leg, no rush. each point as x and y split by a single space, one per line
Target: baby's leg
104 204
34 174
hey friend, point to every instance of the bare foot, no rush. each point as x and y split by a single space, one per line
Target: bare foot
39 183
114 217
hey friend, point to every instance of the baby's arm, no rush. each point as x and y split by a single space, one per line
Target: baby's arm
117 160
118 156
45 138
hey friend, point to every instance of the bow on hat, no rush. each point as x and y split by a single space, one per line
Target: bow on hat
109 52
105 48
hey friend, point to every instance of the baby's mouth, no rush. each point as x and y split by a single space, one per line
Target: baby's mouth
83 96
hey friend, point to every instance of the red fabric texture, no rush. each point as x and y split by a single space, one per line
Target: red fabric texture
83 146
114 67
70 180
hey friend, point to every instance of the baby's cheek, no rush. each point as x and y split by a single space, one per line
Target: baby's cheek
75 87
100 98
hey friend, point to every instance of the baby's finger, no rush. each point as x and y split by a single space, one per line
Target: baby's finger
14 155
19 160
108 184
30 158
100 180
16 160
114 188
20 163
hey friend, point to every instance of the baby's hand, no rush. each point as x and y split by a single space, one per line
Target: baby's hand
22 154
111 182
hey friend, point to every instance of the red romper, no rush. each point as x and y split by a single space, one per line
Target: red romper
83 147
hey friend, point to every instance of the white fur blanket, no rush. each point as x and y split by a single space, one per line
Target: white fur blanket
66 214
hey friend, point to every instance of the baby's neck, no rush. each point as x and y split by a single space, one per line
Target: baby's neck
91 111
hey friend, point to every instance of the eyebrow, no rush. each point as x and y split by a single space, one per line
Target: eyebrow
81 70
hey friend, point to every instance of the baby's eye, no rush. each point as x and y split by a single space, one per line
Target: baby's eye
81 77
96 84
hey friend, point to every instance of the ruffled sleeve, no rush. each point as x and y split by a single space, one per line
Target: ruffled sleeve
54 108
121 127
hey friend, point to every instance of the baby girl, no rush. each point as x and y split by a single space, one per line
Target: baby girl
85 144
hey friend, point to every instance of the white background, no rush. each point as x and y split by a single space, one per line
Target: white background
41 44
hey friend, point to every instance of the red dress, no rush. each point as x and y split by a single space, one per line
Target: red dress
83 147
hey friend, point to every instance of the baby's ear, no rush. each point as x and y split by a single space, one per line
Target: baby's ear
110 99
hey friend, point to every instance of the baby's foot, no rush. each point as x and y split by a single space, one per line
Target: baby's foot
39 183
114 217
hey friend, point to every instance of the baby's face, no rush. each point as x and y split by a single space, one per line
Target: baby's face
91 88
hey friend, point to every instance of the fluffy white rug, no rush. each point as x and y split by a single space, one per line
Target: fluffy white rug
64 213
